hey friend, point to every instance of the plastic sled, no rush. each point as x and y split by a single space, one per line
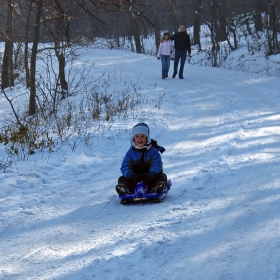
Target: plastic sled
141 195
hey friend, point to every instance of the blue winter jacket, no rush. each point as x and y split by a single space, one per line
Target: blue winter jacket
141 162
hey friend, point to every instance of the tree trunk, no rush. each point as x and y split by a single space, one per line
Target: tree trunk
26 39
61 73
32 97
197 23
232 29
222 29
11 46
5 68
273 27
60 45
136 34
157 28
214 29
258 16
7 75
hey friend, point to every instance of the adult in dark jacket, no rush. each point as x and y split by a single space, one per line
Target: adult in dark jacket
182 44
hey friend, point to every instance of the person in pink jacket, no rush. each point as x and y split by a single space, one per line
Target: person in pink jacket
165 53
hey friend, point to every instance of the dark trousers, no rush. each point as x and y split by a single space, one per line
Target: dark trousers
179 55
161 177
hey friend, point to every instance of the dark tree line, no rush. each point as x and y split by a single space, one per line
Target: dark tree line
50 21
66 22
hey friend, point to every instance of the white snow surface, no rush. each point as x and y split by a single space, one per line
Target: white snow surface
61 217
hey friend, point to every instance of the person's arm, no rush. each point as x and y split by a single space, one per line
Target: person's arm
171 50
156 162
172 38
189 45
126 166
159 50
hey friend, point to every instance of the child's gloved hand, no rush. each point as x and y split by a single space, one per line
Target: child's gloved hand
150 177
134 177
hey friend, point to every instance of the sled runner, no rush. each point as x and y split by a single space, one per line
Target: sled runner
140 194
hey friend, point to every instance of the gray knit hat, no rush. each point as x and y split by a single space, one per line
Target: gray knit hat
141 128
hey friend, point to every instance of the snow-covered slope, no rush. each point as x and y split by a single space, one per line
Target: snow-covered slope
61 218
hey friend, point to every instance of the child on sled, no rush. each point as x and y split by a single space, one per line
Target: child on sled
142 162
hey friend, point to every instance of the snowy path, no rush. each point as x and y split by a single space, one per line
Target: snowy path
61 218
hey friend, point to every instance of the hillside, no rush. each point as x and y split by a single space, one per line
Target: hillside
61 217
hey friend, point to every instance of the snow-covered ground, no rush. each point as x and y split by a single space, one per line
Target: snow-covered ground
61 217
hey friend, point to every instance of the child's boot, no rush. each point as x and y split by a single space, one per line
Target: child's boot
122 189
158 188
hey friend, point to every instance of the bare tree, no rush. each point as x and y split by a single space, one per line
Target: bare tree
26 39
157 24
7 65
36 32
273 28
258 16
197 23
222 16
61 36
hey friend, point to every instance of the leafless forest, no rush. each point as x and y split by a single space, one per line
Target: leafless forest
65 25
